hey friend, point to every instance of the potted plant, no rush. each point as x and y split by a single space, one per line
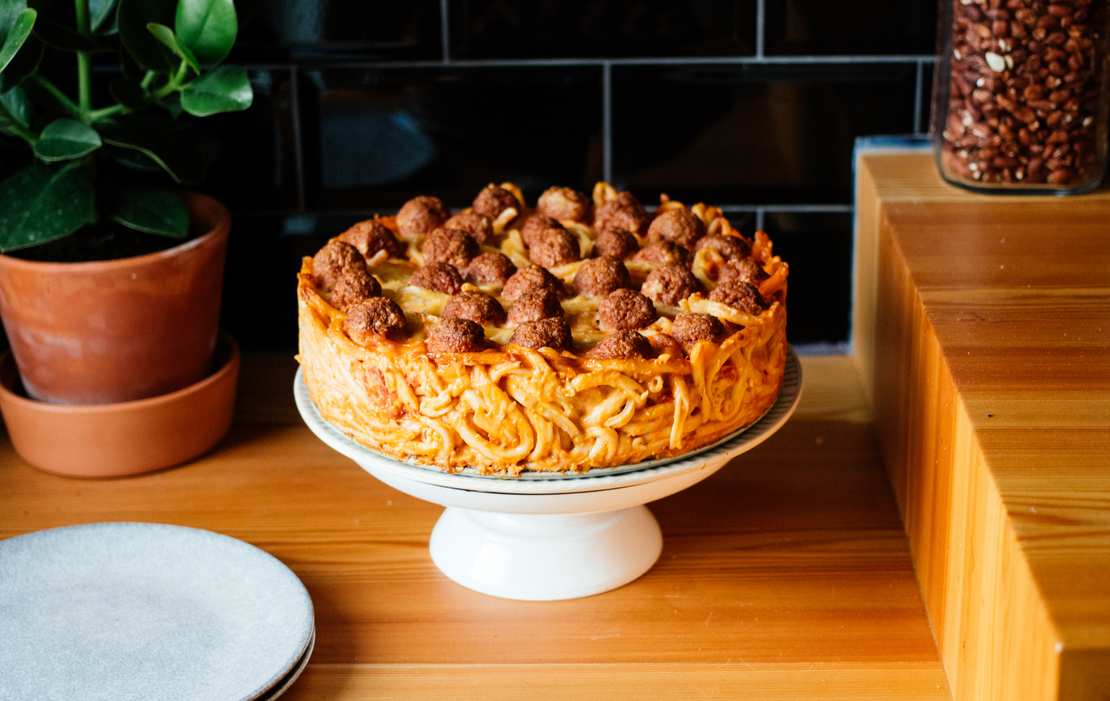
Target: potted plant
111 274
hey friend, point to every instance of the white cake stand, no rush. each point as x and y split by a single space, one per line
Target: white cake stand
552 537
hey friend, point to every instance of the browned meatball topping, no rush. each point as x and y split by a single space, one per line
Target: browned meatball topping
478 226
477 307
661 252
452 246
680 226
741 270
455 336
553 332
689 328
728 246
378 316
535 305
371 236
563 203
332 260
597 277
421 215
625 310
622 344
616 243
739 295
623 212
441 277
493 200
536 226
353 286
670 284
531 278
490 269
554 247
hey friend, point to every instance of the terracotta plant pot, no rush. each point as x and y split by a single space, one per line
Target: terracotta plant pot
118 330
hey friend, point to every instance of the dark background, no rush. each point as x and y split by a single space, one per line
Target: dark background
752 105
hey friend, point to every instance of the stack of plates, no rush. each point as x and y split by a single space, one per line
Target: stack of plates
121 611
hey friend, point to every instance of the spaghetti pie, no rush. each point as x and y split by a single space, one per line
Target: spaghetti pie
582 333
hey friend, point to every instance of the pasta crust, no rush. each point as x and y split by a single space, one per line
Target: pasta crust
509 409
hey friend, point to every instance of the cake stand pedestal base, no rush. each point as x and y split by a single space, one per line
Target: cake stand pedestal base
541 557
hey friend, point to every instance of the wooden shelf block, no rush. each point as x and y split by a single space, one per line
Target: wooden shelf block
982 332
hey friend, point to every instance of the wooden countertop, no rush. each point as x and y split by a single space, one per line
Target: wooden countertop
786 575
983 331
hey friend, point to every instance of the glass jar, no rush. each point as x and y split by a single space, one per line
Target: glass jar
1020 99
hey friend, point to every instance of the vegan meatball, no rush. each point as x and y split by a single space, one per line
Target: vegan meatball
616 243
729 247
563 203
740 295
379 316
536 226
531 278
452 246
741 270
332 260
625 310
554 247
371 236
535 305
493 200
661 253
689 328
455 336
553 332
421 215
623 212
670 284
622 344
440 277
597 277
490 269
679 226
353 286
478 226
479 308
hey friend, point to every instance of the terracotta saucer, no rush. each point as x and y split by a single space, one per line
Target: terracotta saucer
128 438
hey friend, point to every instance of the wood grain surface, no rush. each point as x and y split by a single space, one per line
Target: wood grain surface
786 575
983 335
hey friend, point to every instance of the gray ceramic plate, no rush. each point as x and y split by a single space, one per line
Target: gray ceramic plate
122 611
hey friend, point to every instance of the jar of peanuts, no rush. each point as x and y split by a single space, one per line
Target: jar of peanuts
1020 99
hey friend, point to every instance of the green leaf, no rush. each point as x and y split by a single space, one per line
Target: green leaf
133 17
100 10
65 139
225 89
152 211
42 203
25 63
15 103
208 27
165 35
9 10
16 35
153 135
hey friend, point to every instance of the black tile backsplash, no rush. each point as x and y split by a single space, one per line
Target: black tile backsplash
374 137
352 29
484 29
818 247
754 132
861 27
362 105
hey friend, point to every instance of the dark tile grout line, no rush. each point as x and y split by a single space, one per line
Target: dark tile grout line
445 37
832 59
918 79
760 26
298 144
607 123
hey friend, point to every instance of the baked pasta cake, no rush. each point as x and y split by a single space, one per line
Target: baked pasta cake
575 334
